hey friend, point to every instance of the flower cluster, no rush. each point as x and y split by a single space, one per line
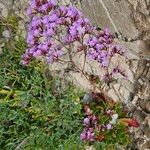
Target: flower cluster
89 123
105 120
47 26
101 47
43 6
54 30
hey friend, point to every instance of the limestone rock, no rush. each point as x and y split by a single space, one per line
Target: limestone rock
141 17
112 14
113 95
145 104
139 116
130 18
3 10
144 48
19 8
146 146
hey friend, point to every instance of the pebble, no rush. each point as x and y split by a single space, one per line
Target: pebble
6 34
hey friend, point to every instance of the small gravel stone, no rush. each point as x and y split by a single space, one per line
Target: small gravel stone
6 34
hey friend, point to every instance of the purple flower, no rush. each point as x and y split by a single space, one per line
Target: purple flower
118 70
36 22
44 8
61 21
33 4
72 31
90 134
81 30
52 3
99 47
68 39
94 119
105 62
29 12
107 77
109 126
48 21
72 12
83 135
53 17
86 122
44 47
116 49
31 39
36 32
103 54
107 31
109 112
92 41
37 53
50 32
62 10
54 54
92 54
87 134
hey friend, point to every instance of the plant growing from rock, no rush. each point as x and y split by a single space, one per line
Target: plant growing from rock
55 31
57 34
105 121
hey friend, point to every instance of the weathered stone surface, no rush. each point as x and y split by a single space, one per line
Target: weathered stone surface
145 104
8 3
141 104
112 14
144 49
5 7
132 19
141 17
19 8
3 10
129 17
97 13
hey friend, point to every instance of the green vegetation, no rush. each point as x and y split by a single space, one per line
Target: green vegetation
37 112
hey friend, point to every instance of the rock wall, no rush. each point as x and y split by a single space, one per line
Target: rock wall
129 18
130 21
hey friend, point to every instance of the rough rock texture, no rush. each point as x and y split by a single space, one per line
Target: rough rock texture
113 14
130 19
140 104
